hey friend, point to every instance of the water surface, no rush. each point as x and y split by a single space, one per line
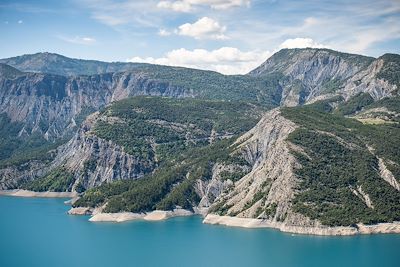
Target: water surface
37 232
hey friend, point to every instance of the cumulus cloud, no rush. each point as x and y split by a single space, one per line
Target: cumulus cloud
189 5
204 28
226 60
78 40
301 43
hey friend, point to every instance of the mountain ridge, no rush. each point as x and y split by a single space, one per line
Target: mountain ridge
319 104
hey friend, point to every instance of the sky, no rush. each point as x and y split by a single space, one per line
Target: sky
228 36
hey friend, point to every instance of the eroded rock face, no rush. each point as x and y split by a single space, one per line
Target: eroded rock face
12 176
366 81
307 71
51 104
309 74
210 190
94 161
267 190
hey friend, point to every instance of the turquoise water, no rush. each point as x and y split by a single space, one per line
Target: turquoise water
37 232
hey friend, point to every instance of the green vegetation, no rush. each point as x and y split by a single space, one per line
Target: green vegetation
58 180
151 126
170 186
270 210
15 151
355 104
337 161
331 86
201 83
177 133
390 70
392 104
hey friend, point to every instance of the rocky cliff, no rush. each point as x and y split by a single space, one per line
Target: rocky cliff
52 105
312 169
292 169
310 74
94 161
267 190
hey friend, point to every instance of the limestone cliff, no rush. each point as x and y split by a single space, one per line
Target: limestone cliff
94 161
52 105
287 189
309 73
267 190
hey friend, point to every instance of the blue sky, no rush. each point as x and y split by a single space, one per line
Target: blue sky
229 36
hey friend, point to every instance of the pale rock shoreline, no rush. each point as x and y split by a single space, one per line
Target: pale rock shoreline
381 228
157 215
27 193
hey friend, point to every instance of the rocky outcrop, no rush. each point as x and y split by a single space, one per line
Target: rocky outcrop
308 72
13 176
366 81
51 105
387 175
266 191
94 160
209 190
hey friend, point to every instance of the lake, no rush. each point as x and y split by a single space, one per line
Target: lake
38 232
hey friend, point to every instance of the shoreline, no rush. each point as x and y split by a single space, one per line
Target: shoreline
381 228
47 194
157 215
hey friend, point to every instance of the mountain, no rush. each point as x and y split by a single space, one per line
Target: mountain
313 168
299 169
61 65
306 140
131 138
311 74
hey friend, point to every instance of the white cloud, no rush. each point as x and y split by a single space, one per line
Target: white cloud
189 5
204 28
78 40
163 32
178 6
301 43
20 22
226 60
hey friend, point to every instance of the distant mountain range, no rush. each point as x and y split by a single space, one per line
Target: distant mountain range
307 139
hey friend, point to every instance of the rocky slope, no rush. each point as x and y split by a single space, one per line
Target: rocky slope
312 74
298 167
61 65
51 104
94 160
279 190
269 182
129 139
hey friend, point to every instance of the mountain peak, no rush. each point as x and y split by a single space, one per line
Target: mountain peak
286 58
